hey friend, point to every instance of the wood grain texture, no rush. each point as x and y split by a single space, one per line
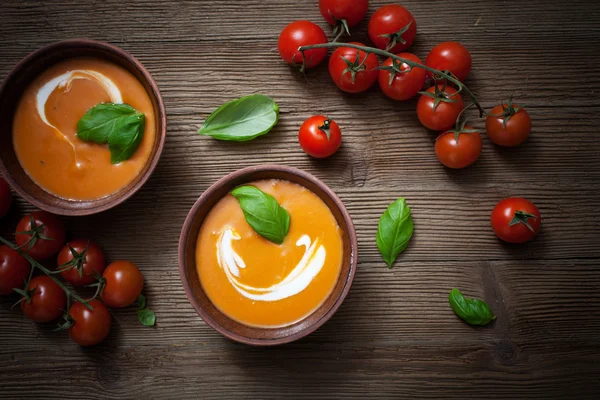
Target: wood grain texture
395 336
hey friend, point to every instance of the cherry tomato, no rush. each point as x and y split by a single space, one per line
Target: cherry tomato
47 301
124 284
5 197
81 269
89 327
302 33
14 270
320 136
392 28
450 56
516 220
403 85
458 149
511 127
40 234
350 11
350 71
442 116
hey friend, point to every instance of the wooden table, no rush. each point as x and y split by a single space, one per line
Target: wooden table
395 335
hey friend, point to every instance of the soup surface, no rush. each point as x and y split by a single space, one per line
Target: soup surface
257 282
45 126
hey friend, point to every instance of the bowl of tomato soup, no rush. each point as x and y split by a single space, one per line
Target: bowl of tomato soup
251 289
42 153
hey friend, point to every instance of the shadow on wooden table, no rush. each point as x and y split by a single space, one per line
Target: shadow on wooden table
307 360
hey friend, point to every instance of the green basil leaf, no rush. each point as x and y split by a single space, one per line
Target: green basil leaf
395 230
146 317
243 119
472 311
119 125
263 213
125 140
141 302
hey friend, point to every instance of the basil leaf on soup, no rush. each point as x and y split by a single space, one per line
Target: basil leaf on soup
119 125
126 138
472 311
243 119
395 230
263 213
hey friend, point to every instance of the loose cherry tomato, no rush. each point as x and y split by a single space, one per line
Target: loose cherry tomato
320 136
79 270
458 149
89 327
40 234
401 85
350 71
124 284
509 125
439 107
516 220
392 28
47 301
5 197
14 270
450 56
343 13
302 33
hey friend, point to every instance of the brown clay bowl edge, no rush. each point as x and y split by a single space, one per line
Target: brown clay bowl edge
161 118
185 238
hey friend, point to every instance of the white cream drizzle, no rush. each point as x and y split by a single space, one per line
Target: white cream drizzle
65 80
295 282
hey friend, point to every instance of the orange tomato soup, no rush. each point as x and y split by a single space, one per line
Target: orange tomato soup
51 153
275 285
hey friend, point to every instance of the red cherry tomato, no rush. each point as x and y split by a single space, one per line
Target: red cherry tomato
320 136
14 270
458 150
89 327
392 28
302 33
350 71
403 85
40 234
516 220
90 258
443 116
450 56
512 126
5 197
336 11
47 301
124 284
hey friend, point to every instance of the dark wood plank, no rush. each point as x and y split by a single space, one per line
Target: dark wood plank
395 336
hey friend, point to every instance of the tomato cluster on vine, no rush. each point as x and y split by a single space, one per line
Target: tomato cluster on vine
441 107
39 236
402 75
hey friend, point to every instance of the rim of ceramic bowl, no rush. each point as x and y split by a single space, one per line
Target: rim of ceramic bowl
185 237
161 119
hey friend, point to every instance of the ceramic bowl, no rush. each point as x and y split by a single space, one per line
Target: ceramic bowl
191 282
10 92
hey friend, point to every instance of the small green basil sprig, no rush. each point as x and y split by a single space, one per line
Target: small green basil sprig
242 119
395 230
472 311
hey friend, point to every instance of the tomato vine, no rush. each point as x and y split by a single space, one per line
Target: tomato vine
70 293
461 87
